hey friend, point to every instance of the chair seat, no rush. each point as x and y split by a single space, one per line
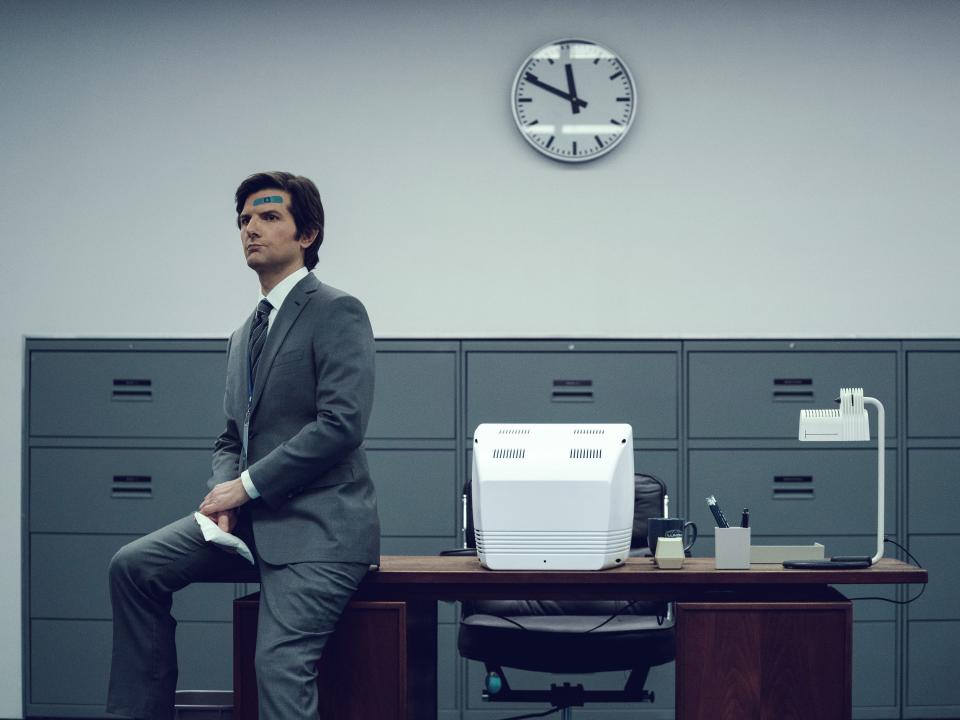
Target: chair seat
561 643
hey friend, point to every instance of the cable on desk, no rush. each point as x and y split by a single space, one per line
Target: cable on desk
897 602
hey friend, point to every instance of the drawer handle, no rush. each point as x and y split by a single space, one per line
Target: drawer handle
132 389
793 487
132 486
792 381
572 391
793 396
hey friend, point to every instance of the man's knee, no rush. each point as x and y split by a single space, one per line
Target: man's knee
123 564
280 664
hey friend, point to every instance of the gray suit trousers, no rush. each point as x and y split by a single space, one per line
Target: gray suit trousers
300 605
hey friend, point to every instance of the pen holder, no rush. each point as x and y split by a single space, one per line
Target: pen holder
732 548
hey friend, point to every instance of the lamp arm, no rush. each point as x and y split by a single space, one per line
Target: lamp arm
881 456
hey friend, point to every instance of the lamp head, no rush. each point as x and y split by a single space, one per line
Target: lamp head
847 423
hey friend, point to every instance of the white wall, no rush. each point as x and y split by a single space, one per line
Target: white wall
794 171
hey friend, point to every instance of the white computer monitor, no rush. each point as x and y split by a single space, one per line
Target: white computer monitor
552 496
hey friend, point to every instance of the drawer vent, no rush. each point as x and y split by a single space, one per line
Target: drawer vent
509 453
132 389
132 486
585 453
572 391
793 487
793 390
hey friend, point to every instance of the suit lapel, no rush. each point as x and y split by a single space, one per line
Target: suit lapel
284 320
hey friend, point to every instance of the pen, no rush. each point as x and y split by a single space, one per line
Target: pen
717 512
745 518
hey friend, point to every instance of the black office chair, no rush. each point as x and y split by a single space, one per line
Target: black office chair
571 636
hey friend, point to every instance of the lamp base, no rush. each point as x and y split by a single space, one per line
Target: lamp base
837 563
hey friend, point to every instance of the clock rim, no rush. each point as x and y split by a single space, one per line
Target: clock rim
546 152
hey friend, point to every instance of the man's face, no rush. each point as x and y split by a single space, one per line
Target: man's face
269 234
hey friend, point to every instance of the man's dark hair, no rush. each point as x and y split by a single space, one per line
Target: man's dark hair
305 205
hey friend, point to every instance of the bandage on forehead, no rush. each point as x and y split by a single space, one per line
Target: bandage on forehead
268 199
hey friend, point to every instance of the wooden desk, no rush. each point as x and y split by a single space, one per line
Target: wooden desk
758 643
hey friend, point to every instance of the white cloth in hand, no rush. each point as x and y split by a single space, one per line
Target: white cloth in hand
231 543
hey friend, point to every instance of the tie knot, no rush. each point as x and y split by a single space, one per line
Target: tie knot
263 309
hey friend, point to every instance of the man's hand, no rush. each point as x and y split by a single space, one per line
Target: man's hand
224 496
226 520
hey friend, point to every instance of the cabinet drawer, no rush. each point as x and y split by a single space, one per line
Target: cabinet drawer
414 396
416 491
635 388
205 656
933 394
97 490
932 668
68 580
760 394
933 486
70 662
793 492
939 554
874 664
127 394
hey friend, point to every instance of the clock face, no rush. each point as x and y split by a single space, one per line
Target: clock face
573 100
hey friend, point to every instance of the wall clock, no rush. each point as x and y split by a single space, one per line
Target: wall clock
573 100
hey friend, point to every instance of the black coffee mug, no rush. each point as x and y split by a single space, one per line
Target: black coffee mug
668 527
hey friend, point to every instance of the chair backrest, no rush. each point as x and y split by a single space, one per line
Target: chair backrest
648 494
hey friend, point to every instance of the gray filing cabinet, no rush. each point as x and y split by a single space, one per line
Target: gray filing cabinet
579 381
414 445
118 439
744 401
932 682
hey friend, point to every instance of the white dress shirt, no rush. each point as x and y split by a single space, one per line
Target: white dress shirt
275 297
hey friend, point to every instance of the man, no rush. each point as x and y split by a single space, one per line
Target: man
289 475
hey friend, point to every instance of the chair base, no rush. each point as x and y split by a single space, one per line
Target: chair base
497 689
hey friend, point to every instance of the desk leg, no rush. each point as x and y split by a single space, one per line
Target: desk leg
380 664
783 660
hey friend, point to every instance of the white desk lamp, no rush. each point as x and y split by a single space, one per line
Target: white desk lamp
848 423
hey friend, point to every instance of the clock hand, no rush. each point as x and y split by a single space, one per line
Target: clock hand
534 80
572 90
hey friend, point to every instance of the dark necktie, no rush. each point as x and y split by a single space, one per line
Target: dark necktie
258 335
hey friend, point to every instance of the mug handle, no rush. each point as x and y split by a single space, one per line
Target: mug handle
690 523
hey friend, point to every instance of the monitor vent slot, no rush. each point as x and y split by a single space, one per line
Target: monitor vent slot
589 431
514 431
585 453
509 453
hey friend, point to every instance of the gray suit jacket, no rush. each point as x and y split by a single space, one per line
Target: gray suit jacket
311 404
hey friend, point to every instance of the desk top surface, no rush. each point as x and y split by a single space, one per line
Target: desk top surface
467 571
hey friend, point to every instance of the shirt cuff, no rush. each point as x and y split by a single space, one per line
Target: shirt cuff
248 485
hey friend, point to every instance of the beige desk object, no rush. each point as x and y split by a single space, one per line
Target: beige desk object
669 553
